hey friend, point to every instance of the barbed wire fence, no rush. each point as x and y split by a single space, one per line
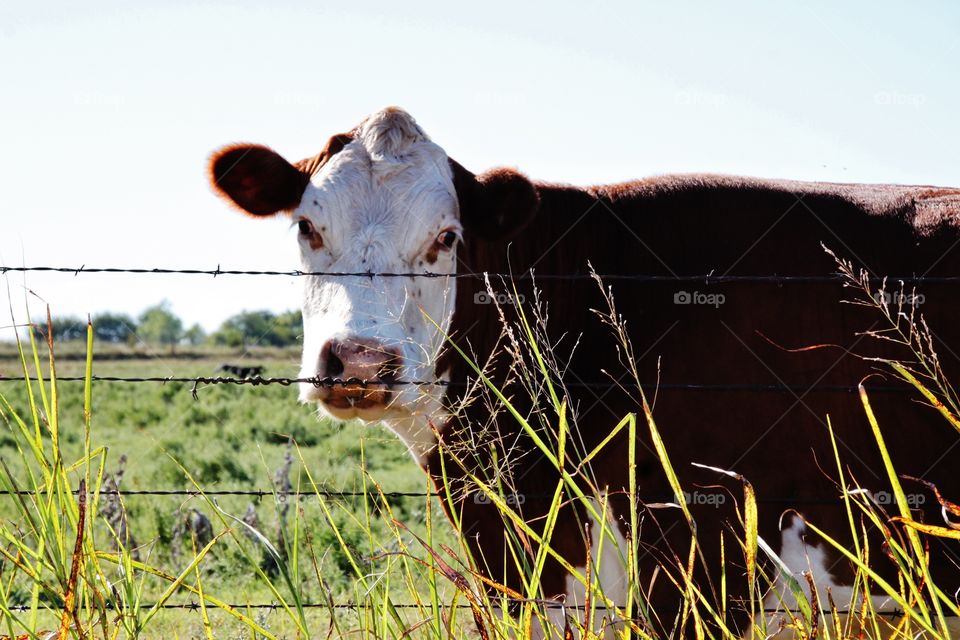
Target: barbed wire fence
258 381
708 279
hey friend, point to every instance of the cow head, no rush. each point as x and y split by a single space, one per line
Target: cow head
382 199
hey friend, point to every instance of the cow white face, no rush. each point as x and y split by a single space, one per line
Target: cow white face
382 199
385 204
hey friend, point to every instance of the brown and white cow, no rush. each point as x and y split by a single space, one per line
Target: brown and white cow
384 198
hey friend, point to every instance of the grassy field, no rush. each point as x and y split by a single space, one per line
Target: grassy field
228 438
305 547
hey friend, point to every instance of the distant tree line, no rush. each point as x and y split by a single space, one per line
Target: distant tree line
158 325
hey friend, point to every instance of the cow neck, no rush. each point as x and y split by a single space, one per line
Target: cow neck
476 328
417 432
443 468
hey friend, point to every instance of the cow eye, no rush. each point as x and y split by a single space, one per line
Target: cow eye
308 233
447 238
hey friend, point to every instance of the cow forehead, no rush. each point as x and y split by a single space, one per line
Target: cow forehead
401 195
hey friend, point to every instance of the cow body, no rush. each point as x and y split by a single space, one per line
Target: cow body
777 438
729 382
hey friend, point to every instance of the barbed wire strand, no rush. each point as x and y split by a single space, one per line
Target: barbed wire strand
707 278
334 382
263 493
405 605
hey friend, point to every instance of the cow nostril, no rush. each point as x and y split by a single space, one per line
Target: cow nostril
360 360
333 366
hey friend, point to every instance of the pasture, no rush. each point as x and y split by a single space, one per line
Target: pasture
229 438
394 556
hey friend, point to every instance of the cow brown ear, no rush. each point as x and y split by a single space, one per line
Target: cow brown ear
495 205
257 179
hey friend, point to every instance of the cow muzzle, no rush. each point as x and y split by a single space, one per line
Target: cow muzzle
360 374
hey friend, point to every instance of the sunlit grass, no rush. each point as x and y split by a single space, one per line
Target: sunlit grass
377 567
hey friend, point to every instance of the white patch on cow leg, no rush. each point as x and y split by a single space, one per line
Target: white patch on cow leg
802 557
610 572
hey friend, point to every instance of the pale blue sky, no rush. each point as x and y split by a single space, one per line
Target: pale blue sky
109 111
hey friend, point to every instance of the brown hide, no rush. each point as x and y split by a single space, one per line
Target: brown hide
778 439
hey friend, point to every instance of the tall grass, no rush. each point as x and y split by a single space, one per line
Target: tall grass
55 569
782 603
64 574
